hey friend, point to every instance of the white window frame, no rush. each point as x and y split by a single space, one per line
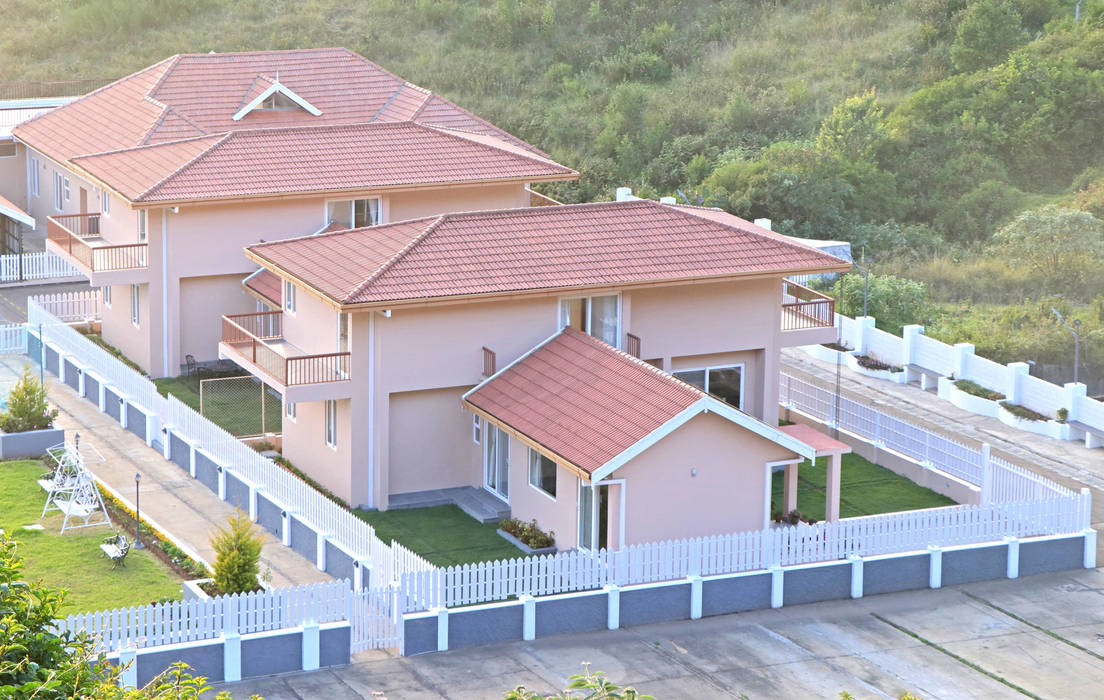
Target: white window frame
580 484
289 410
555 475
289 297
65 188
329 423
560 325
477 430
494 430
743 377
135 305
33 176
105 203
352 210
143 226
107 295
59 203
15 150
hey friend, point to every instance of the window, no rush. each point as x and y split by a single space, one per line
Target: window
289 297
331 424
598 316
65 186
278 102
477 433
142 216
7 149
353 213
726 383
289 410
134 314
542 473
59 204
33 176
105 203
342 331
107 296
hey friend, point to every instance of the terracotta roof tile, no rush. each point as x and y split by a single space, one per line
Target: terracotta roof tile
582 399
540 248
265 284
133 172
196 94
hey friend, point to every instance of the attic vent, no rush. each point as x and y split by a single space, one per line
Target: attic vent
276 98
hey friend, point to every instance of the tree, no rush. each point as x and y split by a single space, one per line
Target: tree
237 555
27 406
1061 244
38 663
856 129
893 301
989 30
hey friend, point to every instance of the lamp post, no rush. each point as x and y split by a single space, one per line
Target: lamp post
1076 340
137 514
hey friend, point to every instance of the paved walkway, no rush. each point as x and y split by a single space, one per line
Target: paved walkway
1041 634
171 500
1067 462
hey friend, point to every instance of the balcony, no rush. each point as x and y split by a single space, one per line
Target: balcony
808 317
256 343
77 238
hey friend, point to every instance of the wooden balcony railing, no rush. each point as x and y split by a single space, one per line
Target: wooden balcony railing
632 345
78 235
804 308
489 363
256 336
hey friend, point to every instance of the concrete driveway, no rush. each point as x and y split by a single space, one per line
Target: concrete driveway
1041 636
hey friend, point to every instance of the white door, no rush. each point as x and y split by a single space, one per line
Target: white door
496 462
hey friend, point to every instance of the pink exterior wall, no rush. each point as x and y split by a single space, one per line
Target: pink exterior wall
13 177
304 445
202 322
120 332
662 499
426 429
412 205
752 360
559 515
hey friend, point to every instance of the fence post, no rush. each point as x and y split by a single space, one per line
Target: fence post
253 489
1014 390
856 575
908 344
103 396
1075 394
1013 557
285 529
1090 548
320 551
986 494
221 482
528 617
231 657
192 460
442 629
124 416
613 610
695 597
777 583
167 447
362 574
128 661
962 351
862 323
80 383
151 423
61 366
311 646
935 567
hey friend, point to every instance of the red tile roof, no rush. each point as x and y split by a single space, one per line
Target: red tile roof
540 248
822 443
583 400
195 95
266 285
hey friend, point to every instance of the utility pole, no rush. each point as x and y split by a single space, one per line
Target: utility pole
1076 336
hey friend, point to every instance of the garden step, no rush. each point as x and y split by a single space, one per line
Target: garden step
476 502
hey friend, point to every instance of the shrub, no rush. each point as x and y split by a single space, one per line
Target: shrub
262 446
528 533
1023 412
27 407
1063 415
872 363
976 389
237 555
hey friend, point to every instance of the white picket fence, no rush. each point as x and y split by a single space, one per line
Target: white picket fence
915 349
745 551
13 339
372 614
84 305
36 266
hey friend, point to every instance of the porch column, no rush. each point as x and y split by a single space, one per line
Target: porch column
789 489
832 488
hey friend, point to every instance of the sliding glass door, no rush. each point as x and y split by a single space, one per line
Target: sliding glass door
496 462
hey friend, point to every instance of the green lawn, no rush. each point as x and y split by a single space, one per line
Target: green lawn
445 535
74 561
235 407
865 489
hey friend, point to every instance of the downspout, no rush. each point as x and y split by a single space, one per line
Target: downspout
372 409
165 293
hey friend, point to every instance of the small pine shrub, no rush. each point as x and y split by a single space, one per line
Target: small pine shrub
237 555
27 407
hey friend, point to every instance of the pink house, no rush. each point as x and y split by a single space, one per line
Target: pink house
153 184
582 365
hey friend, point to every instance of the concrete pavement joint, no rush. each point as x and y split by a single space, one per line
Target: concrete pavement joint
1040 628
962 660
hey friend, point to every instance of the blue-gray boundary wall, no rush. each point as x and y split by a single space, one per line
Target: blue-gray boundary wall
588 611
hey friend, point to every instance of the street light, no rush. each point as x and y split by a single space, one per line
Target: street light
1076 340
137 514
866 283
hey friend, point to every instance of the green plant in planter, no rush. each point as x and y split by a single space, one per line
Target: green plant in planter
1023 411
237 555
27 407
1063 415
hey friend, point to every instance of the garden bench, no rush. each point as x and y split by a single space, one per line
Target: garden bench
1093 436
116 548
928 378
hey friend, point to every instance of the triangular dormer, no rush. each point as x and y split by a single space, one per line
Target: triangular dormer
277 97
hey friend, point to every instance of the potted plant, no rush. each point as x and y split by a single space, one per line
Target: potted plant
28 421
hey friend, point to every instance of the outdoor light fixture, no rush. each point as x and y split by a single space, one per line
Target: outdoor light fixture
1076 340
137 514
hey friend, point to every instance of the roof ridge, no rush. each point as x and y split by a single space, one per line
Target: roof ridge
156 122
447 131
425 101
142 147
525 144
394 259
386 104
752 228
225 137
174 59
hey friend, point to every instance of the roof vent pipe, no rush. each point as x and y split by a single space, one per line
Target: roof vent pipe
765 223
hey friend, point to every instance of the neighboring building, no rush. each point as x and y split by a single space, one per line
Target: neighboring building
153 184
383 331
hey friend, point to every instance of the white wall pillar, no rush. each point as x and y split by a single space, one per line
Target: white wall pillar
442 629
192 460
285 530
1090 548
320 551
221 482
1013 557
311 646
908 344
123 412
362 575
151 427
777 584
1075 394
1014 390
128 661
858 339
166 448
856 575
935 567
613 615
986 493
80 383
695 597
962 351
231 657
103 397
528 617
253 491
61 367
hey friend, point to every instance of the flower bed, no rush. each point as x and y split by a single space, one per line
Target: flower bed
975 389
1032 421
527 536
828 352
972 401
873 367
